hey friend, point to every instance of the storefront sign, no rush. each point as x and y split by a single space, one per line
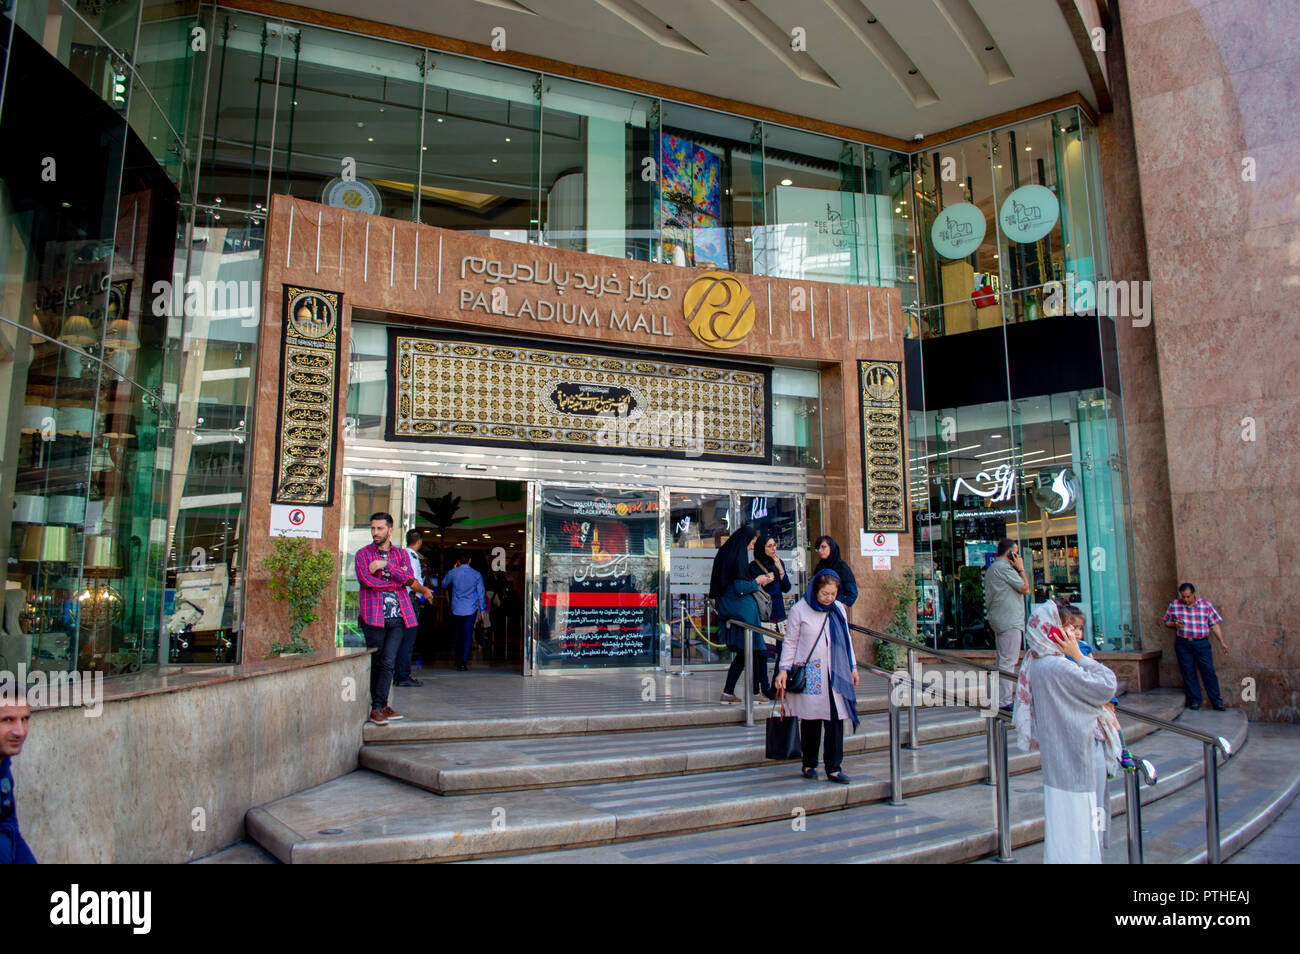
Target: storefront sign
1003 484
358 195
290 521
879 544
1029 213
307 426
718 310
617 301
883 459
467 390
958 230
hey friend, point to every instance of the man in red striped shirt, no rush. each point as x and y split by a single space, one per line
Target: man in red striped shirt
384 572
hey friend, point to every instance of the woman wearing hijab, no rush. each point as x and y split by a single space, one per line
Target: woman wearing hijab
766 562
829 552
1060 695
817 637
730 586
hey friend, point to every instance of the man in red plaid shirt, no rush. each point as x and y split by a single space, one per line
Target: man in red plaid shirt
384 572
1194 619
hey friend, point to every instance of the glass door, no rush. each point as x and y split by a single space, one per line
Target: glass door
599 574
698 525
363 495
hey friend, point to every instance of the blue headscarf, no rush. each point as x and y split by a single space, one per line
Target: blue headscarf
841 660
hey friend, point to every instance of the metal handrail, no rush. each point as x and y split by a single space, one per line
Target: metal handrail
1219 741
749 663
1133 807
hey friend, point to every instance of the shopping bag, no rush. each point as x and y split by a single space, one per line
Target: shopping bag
783 736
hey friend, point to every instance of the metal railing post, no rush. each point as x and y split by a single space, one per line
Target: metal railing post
895 754
748 636
1133 816
1003 792
991 749
913 742
1213 850
685 630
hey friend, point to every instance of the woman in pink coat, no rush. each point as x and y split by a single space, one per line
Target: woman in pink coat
817 636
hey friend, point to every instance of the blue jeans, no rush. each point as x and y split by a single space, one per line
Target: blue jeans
1194 654
402 667
386 640
462 632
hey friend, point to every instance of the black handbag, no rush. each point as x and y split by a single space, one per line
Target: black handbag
797 681
783 741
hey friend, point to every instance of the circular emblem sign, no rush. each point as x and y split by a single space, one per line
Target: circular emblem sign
718 310
297 517
1029 213
311 315
958 230
359 195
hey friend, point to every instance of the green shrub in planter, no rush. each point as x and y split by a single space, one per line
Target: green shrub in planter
902 625
299 577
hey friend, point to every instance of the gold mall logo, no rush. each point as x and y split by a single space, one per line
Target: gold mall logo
718 310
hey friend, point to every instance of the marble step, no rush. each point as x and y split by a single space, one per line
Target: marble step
952 826
459 768
490 705
367 817
1255 787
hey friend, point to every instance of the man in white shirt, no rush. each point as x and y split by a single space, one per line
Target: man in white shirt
419 600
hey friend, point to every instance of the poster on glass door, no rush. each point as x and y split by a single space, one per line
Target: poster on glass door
600 578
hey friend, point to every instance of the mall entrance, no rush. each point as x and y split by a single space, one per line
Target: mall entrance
576 577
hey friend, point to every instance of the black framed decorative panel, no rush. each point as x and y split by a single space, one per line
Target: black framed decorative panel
884 457
307 425
466 389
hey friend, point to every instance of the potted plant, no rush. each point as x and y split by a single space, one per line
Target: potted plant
902 624
299 577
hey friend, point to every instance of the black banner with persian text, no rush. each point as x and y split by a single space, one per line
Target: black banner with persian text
884 456
307 424
466 389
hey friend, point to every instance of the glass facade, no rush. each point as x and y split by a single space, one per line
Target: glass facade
1029 444
132 296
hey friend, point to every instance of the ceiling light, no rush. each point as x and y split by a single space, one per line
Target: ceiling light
995 435
507 138
370 139
1029 149
439 119
787 182
494 159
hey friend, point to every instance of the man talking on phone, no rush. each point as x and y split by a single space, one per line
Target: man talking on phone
1005 589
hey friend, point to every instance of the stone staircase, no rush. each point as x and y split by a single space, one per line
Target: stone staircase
494 767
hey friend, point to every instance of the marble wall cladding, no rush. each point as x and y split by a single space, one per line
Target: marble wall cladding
1213 87
1150 512
419 274
164 778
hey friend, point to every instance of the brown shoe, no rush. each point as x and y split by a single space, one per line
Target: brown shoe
392 715
377 717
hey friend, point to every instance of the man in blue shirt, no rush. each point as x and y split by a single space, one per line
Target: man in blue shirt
15 714
468 602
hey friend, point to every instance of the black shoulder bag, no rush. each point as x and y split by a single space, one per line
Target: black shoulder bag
797 681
